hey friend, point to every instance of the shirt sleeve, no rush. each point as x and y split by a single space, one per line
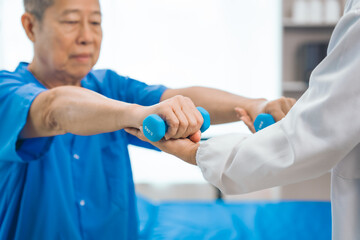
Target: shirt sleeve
146 95
15 101
115 86
125 89
319 131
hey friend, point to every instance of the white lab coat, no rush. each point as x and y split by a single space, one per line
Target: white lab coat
319 134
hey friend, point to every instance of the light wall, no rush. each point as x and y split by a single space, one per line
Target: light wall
227 44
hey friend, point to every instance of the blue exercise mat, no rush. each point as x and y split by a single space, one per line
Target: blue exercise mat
286 220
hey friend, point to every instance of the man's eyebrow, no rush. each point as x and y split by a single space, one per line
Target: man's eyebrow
68 11
96 13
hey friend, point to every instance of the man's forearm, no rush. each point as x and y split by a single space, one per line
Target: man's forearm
79 111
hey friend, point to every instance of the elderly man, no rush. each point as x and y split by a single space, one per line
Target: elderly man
64 164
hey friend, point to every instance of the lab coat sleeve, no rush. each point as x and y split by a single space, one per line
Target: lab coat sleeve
319 131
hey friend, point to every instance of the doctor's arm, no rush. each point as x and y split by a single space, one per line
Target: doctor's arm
225 107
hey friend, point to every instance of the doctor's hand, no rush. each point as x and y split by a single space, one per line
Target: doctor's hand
183 148
277 108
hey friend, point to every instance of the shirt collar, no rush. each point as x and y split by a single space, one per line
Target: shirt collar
23 70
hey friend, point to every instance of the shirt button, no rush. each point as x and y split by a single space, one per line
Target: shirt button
77 157
82 203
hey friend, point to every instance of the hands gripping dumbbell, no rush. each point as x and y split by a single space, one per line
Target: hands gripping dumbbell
154 127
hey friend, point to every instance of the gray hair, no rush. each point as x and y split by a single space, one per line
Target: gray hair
37 7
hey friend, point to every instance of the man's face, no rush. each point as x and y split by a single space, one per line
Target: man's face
68 40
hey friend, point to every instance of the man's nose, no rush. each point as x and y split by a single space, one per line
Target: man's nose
86 35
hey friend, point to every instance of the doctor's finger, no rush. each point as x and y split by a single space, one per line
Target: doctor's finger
248 122
137 133
245 117
196 137
278 115
289 103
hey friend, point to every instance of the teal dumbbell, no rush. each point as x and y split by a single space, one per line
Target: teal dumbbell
154 127
262 121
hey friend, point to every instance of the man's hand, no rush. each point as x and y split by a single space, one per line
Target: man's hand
181 116
277 108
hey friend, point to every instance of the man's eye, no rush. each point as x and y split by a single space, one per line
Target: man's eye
96 23
71 22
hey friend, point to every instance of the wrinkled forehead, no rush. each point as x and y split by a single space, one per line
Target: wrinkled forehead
76 6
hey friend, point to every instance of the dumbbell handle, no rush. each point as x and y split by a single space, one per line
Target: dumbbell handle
262 121
154 127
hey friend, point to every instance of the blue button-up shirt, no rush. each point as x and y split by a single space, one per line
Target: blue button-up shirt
67 186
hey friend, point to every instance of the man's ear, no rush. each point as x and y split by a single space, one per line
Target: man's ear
28 22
